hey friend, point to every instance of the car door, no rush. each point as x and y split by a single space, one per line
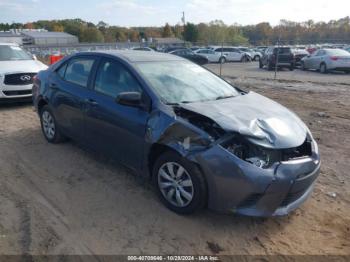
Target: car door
112 128
315 60
69 87
212 56
235 54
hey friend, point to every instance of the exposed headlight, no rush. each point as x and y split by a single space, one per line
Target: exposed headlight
264 157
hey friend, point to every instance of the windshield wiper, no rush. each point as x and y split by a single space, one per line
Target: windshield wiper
223 97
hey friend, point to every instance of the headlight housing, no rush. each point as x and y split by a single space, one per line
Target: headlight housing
265 157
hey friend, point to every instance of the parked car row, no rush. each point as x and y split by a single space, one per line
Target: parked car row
323 60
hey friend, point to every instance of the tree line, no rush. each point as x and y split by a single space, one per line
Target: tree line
287 32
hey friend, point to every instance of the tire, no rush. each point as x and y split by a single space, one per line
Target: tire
222 60
256 58
244 59
269 66
261 65
323 68
49 126
195 196
291 68
303 66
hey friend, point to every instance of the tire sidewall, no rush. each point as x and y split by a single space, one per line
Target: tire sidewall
56 136
199 185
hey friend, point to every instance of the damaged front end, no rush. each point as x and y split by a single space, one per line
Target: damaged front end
245 174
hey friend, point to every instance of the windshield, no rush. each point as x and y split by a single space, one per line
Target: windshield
11 53
184 82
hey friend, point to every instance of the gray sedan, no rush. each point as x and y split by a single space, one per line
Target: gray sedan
202 141
325 60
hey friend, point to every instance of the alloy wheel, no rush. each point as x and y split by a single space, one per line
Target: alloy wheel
48 125
175 184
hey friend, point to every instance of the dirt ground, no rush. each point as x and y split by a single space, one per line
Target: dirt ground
62 199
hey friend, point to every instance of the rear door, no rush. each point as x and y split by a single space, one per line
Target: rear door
69 88
212 56
236 54
112 128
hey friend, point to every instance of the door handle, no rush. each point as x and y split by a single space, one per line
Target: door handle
91 102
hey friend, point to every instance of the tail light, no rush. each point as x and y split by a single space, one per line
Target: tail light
334 58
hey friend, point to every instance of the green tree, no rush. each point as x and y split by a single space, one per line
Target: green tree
191 32
91 35
167 32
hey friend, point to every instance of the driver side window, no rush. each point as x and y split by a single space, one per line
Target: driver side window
113 78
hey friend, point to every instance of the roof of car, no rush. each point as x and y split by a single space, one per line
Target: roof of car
133 56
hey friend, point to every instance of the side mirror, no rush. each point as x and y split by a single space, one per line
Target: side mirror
133 99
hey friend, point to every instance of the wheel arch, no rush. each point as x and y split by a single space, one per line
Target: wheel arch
41 103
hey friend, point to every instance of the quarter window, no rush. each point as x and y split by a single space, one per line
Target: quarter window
78 71
113 78
62 70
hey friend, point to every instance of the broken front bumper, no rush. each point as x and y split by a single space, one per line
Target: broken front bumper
240 187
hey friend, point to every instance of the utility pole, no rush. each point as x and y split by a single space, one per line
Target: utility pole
184 22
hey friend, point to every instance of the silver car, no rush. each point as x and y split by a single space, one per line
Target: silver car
255 55
325 60
212 56
233 54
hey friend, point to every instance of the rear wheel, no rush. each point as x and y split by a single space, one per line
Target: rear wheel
323 68
244 59
179 183
222 60
270 66
49 126
303 66
261 65
256 58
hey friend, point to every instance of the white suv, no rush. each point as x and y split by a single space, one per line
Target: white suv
233 54
17 69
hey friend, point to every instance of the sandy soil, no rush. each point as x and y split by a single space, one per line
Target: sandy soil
62 199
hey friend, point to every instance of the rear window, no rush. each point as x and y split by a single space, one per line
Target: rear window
78 71
283 50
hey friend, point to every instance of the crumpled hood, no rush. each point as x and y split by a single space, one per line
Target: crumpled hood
260 119
23 66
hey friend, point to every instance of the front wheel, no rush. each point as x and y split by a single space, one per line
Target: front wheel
179 183
244 59
49 126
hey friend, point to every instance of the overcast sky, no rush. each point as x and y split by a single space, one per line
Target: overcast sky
158 12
